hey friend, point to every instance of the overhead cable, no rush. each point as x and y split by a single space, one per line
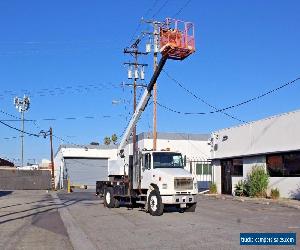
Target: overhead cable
182 8
14 128
201 99
238 104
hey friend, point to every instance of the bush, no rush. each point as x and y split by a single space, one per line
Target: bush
213 188
258 181
241 188
275 194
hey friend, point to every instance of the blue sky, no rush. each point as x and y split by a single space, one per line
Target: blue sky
67 56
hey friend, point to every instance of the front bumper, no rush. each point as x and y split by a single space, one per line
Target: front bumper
178 199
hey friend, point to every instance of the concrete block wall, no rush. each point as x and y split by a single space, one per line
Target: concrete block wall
13 179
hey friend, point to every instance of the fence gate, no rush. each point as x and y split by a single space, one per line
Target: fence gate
204 172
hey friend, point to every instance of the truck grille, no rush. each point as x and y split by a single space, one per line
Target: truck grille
183 183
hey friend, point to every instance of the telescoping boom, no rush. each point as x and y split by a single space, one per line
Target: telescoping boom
142 105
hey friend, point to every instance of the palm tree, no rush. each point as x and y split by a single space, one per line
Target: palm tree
114 138
107 140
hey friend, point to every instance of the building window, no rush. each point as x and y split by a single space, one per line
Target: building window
275 165
233 166
287 164
237 167
203 169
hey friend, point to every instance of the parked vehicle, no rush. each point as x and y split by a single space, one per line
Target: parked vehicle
152 179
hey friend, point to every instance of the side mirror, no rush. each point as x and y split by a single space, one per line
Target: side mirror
184 160
121 153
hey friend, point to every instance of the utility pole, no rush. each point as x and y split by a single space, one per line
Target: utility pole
52 160
133 73
155 35
50 134
22 105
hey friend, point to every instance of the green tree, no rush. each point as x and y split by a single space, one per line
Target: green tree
114 138
107 140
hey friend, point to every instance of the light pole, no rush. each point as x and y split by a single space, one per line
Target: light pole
22 105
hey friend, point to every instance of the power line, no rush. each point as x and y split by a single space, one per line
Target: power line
182 8
238 104
140 22
198 98
160 9
55 91
14 128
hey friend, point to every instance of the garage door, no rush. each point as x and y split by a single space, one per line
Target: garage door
86 171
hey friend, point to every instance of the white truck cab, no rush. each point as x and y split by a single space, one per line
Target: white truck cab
164 172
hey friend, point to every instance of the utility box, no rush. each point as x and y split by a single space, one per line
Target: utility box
116 167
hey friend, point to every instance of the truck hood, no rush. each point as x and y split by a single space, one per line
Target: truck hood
176 172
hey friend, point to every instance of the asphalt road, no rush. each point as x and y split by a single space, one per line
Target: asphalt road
38 220
30 220
216 224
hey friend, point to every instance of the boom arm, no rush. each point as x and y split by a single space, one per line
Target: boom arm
141 105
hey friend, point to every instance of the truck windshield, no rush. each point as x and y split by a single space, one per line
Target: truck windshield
167 160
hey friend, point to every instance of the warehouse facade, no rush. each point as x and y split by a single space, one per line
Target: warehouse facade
273 143
86 164
83 165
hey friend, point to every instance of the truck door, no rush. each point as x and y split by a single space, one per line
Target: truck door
146 171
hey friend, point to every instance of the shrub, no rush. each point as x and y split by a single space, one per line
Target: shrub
275 194
258 181
241 188
213 188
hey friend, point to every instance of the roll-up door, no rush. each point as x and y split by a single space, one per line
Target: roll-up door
86 171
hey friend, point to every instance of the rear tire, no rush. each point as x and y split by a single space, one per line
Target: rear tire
191 208
155 205
117 203
109 200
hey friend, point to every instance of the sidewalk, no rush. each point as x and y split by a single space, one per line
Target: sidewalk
281 201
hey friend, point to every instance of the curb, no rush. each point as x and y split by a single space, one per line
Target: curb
256 200
78 238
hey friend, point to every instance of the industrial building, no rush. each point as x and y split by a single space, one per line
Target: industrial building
86 164
272 142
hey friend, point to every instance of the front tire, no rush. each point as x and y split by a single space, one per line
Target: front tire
155 205
109 200
191 208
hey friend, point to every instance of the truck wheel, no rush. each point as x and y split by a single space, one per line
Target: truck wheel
191 208
155 206
109 200
117 203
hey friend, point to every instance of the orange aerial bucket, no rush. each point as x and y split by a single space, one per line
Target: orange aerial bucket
177 39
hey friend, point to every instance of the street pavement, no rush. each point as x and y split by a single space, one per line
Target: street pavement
37 220
30 220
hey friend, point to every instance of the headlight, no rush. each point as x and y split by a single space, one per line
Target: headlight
164 186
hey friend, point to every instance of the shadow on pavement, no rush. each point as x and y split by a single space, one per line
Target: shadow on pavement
56 206
4 193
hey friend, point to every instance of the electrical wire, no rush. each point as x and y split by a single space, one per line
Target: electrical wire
14 128
64 90
182 8
160 9
198 98
234 105
140 22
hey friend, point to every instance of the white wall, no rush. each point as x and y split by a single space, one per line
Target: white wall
217 175
250 162
273 134
91 152
289 187
193 149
